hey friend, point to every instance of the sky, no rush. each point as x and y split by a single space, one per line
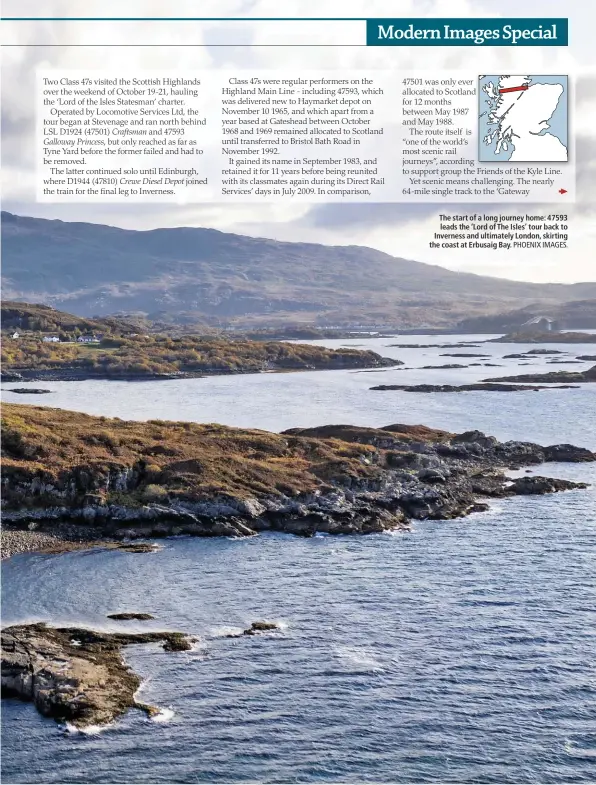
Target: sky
400 229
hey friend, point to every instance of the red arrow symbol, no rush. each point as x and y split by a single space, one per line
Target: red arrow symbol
562 191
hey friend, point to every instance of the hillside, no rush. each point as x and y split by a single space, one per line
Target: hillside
45 319
91 270
574 315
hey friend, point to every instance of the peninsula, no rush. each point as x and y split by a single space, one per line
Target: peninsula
115 480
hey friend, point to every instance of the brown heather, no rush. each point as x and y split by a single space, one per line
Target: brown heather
147 355
189 460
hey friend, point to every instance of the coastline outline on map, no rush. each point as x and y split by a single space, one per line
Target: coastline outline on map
523 118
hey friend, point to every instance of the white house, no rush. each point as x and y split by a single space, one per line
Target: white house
51 339
88 339
15 335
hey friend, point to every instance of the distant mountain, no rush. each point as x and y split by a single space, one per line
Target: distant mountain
91 269
574 315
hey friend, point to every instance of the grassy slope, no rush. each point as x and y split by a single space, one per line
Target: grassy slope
190 459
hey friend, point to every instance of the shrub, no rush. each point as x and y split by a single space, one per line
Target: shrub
154 493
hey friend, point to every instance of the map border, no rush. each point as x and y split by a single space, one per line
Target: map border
511 163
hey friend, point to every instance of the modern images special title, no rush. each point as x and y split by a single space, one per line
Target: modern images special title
466 32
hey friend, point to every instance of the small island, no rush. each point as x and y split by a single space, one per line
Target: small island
553 377
489 385
544 336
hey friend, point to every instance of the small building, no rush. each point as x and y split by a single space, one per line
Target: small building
89 339
51 339
15 335
541 323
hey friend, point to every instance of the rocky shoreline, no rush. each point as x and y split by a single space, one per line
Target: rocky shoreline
76 675
54 538
553 377
538 336
213 481
15 541
71 481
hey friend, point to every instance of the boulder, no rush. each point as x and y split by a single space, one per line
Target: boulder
568 453
523 486
433 475
261 626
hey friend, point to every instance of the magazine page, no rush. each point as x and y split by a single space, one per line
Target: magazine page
298 383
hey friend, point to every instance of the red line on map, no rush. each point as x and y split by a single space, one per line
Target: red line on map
513 89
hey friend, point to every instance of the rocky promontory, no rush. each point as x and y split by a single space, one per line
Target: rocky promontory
540 336
76 675
553 377
131 480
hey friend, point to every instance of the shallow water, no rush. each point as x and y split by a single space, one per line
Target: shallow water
462 652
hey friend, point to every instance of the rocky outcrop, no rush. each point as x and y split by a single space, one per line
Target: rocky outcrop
489 385
539 485
336 479
462 345
538 336
29 390
76 675
261 626
567 453
130 616
10 376
553 377
448 366
465 354
256 628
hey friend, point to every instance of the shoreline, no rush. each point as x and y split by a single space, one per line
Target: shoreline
74 481
14 542
23 375
62 538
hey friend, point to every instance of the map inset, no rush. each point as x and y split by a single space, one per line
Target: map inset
522 118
